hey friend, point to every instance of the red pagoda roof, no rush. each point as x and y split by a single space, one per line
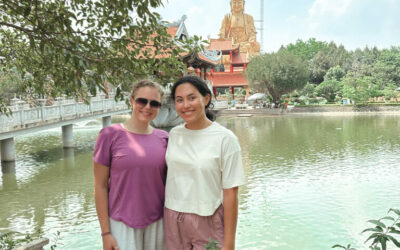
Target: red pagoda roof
172 30
228 79
205 59
200 57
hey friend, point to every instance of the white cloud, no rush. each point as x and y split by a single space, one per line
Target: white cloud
329 8
324 12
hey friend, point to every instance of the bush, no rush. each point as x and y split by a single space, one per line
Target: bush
381 233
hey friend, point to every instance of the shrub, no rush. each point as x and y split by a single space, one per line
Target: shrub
381 233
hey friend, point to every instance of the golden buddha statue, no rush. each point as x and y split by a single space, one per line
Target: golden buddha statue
240 27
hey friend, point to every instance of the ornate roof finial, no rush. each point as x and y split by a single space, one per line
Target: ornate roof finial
183 18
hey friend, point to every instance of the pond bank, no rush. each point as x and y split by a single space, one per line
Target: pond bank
317 110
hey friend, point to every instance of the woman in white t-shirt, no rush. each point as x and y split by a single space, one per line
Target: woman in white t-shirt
204 171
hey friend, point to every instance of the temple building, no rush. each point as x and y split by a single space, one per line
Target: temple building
237 43
228 76
198 63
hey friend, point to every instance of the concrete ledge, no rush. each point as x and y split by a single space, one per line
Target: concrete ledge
344 108
34 245
326 110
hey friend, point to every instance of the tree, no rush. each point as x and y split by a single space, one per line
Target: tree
335 73
320 56
387 67
338 55
366 56
307 50
308 90
359 88
332 85
74 46
390 91
279 73
10 84
319 65
329 89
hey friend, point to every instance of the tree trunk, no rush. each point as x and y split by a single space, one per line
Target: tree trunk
276 97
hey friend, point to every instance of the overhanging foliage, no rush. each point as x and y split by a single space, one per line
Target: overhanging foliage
73 46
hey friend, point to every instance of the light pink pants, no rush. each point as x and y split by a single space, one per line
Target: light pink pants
185 231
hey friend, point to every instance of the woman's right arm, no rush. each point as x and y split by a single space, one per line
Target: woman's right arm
101 176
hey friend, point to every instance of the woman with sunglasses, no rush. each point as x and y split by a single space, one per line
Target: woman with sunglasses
204 172
129 176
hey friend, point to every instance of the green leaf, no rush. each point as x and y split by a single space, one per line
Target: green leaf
396 242
27 11
338 246
394 231
388 218
383 243
377 222
32 42
376 240
5 18
375 229
373 236
397 211
41 46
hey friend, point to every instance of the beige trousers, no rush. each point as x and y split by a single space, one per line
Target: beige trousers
148 238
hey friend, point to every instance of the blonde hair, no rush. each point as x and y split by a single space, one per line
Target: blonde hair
242 1
147 83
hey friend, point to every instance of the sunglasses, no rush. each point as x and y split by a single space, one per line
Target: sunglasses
142 102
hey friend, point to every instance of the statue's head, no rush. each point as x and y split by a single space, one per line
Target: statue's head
237 6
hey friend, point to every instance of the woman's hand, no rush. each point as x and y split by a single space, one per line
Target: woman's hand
109 243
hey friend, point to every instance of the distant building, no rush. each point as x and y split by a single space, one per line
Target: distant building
197 64
228 75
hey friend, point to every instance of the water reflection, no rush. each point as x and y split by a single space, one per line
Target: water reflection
50 188
69 157
9 178
321 176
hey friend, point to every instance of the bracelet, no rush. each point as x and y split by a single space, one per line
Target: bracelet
105 233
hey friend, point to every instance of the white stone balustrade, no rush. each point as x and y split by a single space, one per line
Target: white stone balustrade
23 116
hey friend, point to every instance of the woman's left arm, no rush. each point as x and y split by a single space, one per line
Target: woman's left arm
230 217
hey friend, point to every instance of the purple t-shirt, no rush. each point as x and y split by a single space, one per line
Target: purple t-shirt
137 173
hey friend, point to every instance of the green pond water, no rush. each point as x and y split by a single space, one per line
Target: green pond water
313 181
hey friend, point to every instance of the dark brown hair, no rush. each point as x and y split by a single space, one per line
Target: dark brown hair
201 86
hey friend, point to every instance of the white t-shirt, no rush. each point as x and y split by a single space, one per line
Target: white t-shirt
201 163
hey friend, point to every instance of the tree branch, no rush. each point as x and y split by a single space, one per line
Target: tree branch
25 30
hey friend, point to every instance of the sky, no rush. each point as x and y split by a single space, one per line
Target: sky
352 23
